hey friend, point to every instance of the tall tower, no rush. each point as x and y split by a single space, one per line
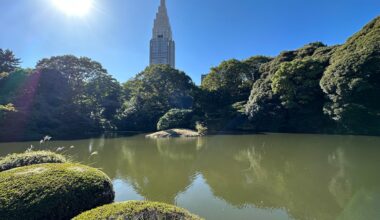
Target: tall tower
162 45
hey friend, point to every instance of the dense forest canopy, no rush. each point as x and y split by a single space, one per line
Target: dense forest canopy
317 89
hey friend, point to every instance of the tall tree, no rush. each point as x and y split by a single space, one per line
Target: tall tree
8 61
152 93
96 93
352 82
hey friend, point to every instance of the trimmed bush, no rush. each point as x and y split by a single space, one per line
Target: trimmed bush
176 118
52 191
29 158
137 210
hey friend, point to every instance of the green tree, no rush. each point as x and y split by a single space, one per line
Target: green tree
297 85
77 70
232 78
352 82
96 93
152 93
103 98
286 85
8 61
176 118
297 82
254 64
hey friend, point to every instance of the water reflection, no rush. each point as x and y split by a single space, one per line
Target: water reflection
241 177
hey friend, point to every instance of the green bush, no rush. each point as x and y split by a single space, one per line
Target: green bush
176 118
29 158
137 210
52 191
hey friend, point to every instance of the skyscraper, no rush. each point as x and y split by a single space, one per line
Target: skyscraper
162 45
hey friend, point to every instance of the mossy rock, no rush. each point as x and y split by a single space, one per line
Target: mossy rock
30 158
138 210
52 191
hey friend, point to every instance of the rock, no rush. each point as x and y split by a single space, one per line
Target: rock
172 133
52 191
137 210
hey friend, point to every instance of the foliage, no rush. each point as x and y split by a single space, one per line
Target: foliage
226 84
297 82
316 88
352 82
64 97
76 70
287 94
254 64
176 118
96 93
152 93
8 61
137 210
29 158
52 191
233 78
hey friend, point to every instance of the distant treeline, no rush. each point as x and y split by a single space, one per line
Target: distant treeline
315 89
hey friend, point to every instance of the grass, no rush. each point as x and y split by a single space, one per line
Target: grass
138 210
29 158
52 191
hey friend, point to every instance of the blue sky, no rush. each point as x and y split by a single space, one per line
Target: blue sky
117 32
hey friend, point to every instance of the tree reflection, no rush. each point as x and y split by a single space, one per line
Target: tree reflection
309 176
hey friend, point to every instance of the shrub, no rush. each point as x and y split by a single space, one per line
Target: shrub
176 118
52 191
138 210
29 158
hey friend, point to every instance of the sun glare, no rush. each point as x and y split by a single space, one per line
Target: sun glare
78 8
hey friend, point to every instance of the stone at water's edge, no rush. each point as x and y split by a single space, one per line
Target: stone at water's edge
52 191
138 210
172 133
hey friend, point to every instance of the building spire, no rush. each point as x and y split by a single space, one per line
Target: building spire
161 23
162 45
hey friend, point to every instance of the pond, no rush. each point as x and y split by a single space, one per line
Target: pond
268 176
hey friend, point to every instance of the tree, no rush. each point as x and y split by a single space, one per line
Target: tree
297 85
103 98
8 61
96 93
77 70
297 82
176 118
232 78
254 64
352 82
287 85
152 93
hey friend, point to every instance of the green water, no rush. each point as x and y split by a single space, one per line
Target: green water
273 176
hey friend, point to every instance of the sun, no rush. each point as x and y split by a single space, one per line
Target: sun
77 8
